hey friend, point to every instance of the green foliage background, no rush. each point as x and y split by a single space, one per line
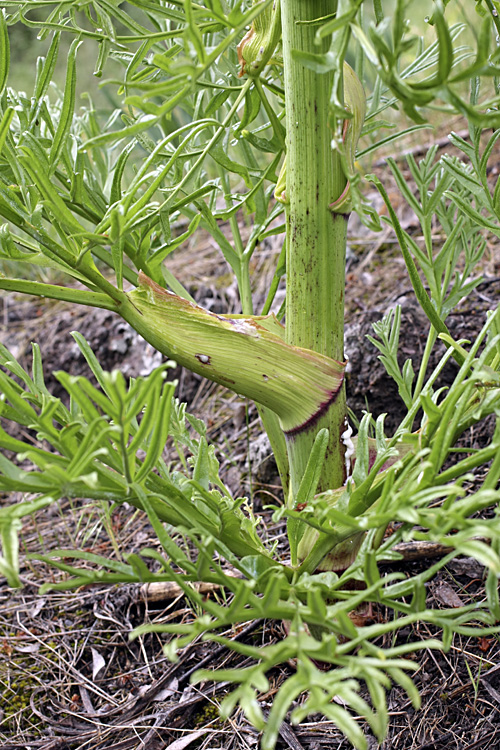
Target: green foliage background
99 197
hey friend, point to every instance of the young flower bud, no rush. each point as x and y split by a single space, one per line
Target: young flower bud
257 46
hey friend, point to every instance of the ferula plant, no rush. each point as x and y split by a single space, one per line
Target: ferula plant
208 97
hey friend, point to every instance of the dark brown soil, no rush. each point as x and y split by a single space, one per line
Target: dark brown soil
69 675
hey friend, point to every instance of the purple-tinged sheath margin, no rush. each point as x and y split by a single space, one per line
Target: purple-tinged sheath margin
323 408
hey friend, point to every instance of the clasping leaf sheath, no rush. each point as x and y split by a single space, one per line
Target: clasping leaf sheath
355 105
246 354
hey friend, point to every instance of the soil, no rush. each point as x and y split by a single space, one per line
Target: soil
69 675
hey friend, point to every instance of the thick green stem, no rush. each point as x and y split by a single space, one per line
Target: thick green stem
316 236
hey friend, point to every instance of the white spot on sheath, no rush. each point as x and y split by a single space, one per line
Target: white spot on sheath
203 358
243 326
349 447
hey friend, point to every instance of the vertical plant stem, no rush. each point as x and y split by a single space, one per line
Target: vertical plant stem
243 274
316 236
269 420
